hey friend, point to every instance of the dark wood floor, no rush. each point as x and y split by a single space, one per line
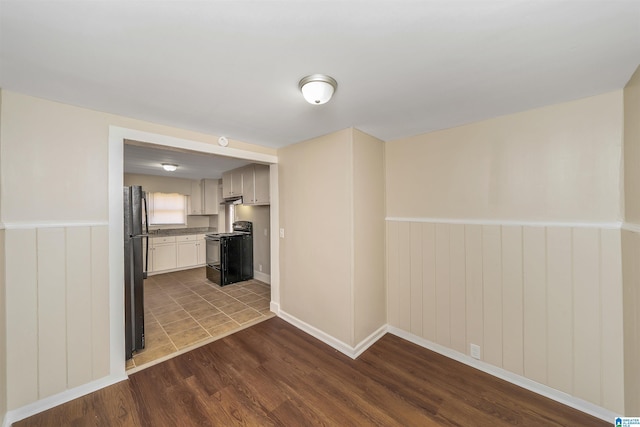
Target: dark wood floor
274 374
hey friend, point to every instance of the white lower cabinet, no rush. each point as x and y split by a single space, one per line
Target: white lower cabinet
176 252
162 254
164 257
187 251
201 244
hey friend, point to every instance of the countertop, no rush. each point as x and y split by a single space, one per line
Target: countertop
181 231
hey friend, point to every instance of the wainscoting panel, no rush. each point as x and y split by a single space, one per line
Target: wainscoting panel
542 301
534 271
393 292
560 308
428 281
492 294
631 292
443 285
512 301
457 294
22 317
416 278
58 339
586 321
473 269
52 304
404 275
100 339
612 323
79 342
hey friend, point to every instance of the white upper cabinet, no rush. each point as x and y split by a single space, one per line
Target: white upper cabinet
251 182
195 201
210 202
204 197
232 183
226 184
256 185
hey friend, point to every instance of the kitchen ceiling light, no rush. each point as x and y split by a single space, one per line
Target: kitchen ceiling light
318 88
169 167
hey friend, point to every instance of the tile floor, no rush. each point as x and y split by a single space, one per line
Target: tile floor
183 309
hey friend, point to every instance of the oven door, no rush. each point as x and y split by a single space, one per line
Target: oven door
213 250
214 270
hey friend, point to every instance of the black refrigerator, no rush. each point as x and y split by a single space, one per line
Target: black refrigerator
136 228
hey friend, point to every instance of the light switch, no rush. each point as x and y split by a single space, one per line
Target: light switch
282 233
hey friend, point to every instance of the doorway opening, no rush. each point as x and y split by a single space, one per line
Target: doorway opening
186 292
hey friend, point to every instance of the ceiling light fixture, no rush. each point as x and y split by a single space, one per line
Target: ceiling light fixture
318 89
169 167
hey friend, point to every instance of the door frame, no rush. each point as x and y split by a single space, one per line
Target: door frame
117 137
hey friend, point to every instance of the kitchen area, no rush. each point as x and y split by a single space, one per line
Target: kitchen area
205 251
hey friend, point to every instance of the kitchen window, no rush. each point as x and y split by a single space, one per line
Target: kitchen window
167 208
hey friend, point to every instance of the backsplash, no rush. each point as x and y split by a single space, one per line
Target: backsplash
182 231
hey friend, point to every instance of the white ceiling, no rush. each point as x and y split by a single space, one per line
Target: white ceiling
145 159
232 67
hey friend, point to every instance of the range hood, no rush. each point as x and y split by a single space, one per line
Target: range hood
235 200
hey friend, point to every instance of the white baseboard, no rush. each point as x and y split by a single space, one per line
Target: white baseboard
369 341
259 275
60 398
526 383
317 333
346 349
275 308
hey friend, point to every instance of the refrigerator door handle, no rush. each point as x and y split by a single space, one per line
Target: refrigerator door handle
146 226
146 214
146 259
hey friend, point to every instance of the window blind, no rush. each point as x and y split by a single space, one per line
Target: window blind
167 208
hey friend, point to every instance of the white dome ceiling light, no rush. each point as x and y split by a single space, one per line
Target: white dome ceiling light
318 89
169 167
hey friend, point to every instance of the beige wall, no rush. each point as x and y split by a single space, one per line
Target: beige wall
56 241
332 255
631 276
631 243
3 323
368 229
64 147
3 330
503 233
315 212
632 148
260 217
558 163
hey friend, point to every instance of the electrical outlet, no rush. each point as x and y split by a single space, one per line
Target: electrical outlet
475 351
265 231
259 267
282 233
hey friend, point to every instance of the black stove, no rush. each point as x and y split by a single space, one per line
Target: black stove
227 234
230 255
